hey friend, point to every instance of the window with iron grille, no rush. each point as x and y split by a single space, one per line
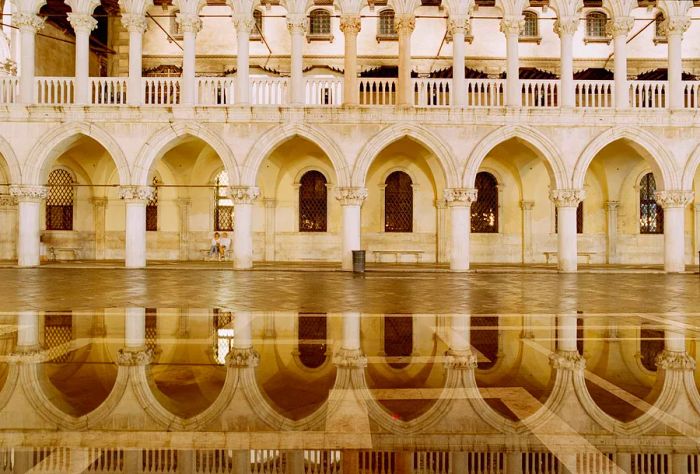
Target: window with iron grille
579 219
223 208
386 24
651 344
313 202
595 25
651 215
531 29
59 203
485 209
320 22
312 339
152 209
398 339
398 203
484 338
223 334
58 333
256 30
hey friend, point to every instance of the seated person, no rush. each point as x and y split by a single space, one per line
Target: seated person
215 248
224 244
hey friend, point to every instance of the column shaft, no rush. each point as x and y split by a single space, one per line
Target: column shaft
350 26
296 24
28 24
511 26
460 332
460 201
568 93
243 25
622 96
674 239
83 23
566 239
458 81
135 328
675 70
28 329
243 236
404 27
135 233
188 68
351 200
351 331
29 232
243 330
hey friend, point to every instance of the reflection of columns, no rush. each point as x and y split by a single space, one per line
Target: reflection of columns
243 22
29 199
350 26
28 24
611 208
183 205
566 324
674 203
243 330
404 25
135 328
460 333
460 201
619 28
512 26
565 27
99 206
8 226
351 331
567 201
296 24
527 207
351 200
27 331
513 462
136 198
243 197
624 462
458 27
270 228
190 24
83 23
135 24
675 27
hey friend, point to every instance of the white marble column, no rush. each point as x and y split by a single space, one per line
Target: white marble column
619 28
83 23
460 201
190 24
351 200
527 207
29 200
567 201
99 206
135 328
8 227
612 207
136 25
351 331
243 197
135 198
404 25
184 207
27 331
296 24
460 332
511 26
675 27
566 27
28 24
458 28
243 23
674 203
350 26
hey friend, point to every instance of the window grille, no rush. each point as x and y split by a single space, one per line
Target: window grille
312 339
223 209
531 29
256 30
58 332
398 203
485 209
152 209
223 334
151 328
595 25
320 23
651 215
579 219
386 23
484 338
398 339
651 343
313 203
59 203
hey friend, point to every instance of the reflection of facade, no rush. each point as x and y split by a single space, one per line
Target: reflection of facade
518 399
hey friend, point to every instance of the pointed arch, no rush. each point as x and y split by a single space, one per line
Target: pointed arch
691 168
54 143
644 142
10 159
161 141
539 142
396 132
276 136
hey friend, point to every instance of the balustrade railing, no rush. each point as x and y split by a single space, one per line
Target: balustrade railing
437 462
322 461
595 94
108 90
267 461
268 90
648 94
540 92
216 90
9 90
324 91
377 91
161 90
432 92
691 94
485 92
55 90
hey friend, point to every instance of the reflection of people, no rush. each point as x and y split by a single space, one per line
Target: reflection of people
224 244
215 248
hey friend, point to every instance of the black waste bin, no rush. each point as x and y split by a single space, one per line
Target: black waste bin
358 261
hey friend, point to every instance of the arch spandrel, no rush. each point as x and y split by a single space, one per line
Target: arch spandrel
691 169
9 163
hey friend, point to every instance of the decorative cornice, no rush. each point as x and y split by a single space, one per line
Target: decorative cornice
567 197
242 358
243 194
128 357
134 23
674 198
512 25
189 22
669 360
404 23
620 26
7 200
566 25
460 197
460 360
350 23
82 22
350 359
243 22
677 25
296 24
29 192
135 193
28 22
351 196
567 360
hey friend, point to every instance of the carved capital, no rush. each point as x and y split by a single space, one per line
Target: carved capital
566 25
29 193
351 196
567 360
674 198
296 24
134 23
669 360
350 24
243 194
458 24
189 22
135 193
99 202
82 22
612 206
28 22
460 197
676 25
404 23
7 200
27 355
350 359
620 26
460 360
567 197
512 25
134 357
527 205
242 358
243 22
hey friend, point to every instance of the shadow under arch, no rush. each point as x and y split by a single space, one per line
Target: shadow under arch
9 159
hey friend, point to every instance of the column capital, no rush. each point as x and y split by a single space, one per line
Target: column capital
99 201
134 23
351 196
527 205
28 22
189 22
619 26
184 202
243 22
458 24
677 25
567 197
612 205
460 197
296 23
350 359
512 25
129 357
566 25
7 201
350 23
670 360
135 193
29 192
460 360
567 360
82 22
242 358
404 23
674 198
243 194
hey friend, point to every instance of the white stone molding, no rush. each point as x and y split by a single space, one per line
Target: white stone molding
351 196
676 25
459 9
82 21
28 21
460 197
135 7
458 24
29 192
134 22
243 194
670 360
567 197
135 193
567 360
674 198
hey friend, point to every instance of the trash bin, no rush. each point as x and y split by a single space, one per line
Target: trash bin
358 261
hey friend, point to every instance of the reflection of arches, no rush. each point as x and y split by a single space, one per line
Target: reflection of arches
398 203
312 336
398 340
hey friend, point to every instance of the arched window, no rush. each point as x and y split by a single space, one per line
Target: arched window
312 339
256 30
319 22
385 28
59 203
660 27
223 209
398 339
651 344
595 25
651 215
223 334
485 209
313 202
484 338
398 203
531 29
152 209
